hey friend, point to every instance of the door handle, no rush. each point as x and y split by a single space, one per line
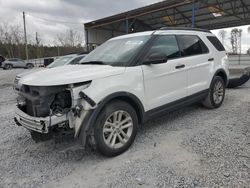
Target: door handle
180 66
210 59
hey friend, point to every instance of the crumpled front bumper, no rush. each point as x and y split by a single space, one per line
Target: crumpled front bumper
38 124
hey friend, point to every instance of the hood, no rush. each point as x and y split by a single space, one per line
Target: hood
29 72
70 74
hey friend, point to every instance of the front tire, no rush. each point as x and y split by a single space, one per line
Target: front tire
7 67
216 93
115 128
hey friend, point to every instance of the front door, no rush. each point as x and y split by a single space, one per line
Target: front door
165 82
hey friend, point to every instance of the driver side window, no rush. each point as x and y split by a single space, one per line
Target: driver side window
164 45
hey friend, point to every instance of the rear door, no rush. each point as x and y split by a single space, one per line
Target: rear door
198 62
165 82
21 63
18 63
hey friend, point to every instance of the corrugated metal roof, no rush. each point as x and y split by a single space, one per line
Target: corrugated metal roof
209 14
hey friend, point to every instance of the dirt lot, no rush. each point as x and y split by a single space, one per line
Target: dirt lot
192 147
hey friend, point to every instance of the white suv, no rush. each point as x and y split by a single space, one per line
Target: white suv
123 83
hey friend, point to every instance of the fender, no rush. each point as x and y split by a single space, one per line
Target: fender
222 72
87 126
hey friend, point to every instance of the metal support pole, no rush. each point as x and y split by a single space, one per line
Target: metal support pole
193 14
25 37
87 39
37 46
127 27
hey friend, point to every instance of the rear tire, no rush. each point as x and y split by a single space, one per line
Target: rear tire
115 128
29 66
216 93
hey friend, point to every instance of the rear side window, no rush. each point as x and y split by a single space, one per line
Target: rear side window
216 43
164 44
76 60
191 45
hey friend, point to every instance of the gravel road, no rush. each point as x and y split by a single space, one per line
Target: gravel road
192 147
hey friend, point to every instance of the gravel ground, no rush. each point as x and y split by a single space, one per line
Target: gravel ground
192 147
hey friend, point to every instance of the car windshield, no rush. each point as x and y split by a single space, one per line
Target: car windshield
117 52
59 62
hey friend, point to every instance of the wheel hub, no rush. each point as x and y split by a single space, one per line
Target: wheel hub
117 129
218 92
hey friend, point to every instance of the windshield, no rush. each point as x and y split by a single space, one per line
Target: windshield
59 62
117 52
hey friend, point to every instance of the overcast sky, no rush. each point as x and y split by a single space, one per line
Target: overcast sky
43 16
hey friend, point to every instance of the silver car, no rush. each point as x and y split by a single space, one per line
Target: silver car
67 60
16 63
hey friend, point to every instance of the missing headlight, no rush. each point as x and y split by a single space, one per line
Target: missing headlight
61 103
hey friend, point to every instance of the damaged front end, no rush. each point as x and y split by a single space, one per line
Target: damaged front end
53 109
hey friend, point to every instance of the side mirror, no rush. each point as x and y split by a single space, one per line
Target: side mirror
156 58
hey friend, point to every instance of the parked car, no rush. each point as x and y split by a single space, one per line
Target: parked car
47 61
123 83
16 63
64 60
67 60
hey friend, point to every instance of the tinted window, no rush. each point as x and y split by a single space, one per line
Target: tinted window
165 44
60 61
76 60
217 44
12 59
191 45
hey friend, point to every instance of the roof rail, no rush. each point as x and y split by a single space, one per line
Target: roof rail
185 28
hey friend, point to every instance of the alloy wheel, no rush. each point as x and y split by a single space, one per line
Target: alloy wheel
117 129
218 92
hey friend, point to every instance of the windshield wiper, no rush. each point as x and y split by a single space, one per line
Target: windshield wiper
93 63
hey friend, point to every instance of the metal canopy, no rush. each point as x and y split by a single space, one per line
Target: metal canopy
206 14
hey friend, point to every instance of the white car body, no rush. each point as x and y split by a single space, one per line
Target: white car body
153 86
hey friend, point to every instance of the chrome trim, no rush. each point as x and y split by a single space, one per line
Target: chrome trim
38 124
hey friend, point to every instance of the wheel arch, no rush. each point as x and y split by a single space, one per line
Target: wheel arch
222 73
29 64
130 98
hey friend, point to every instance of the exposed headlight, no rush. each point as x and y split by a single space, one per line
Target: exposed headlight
21 101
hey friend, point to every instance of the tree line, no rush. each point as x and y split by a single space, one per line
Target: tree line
235 40
12 43
71 41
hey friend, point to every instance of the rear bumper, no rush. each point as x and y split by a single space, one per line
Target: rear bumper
38 124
